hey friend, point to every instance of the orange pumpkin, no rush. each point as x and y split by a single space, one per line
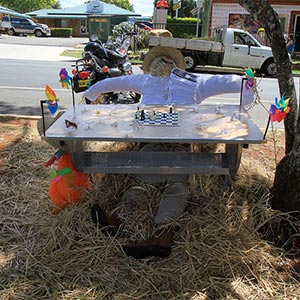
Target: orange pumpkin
68 188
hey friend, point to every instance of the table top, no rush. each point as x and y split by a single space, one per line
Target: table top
204 123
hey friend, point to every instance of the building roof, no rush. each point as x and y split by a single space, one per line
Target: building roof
81 12
4 10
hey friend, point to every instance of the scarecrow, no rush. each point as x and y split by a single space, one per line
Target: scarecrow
164 82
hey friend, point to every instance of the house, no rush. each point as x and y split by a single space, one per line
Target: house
230 13
93 17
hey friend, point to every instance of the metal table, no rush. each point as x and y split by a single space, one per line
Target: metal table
224 124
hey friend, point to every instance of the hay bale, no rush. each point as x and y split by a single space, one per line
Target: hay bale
217 253
160 32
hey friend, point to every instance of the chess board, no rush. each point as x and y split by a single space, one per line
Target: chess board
161 119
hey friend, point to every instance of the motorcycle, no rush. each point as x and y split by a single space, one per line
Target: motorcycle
121 43
101 61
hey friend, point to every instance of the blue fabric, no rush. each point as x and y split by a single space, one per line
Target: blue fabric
291 47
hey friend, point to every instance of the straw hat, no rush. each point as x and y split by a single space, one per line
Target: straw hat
160 61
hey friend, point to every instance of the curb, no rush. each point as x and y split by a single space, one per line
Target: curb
13 116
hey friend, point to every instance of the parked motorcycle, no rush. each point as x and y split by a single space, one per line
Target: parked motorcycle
121 43
113 53
101 61
89 72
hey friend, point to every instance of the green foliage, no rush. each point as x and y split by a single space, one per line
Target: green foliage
120 3
182 27
139 41
25 6
61 32
121 28
186 7
73 53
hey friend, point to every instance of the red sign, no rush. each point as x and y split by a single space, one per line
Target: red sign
162 4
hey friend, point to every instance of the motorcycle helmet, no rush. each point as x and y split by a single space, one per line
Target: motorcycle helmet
96 49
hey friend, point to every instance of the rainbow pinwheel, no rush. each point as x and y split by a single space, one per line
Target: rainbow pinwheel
65 79
250 78
279 110
52 100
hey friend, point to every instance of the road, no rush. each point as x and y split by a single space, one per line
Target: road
22 85
27 65
44 41
23 81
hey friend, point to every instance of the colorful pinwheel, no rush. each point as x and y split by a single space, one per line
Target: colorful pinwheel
52 100
250 78
279 110
65 79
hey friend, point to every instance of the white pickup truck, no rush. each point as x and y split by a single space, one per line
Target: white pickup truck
232 48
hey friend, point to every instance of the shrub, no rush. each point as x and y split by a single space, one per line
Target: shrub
61 32
183 27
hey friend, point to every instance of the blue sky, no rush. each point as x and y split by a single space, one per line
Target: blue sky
143 7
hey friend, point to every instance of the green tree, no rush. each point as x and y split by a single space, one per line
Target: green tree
24 6
186 7
286 187
120 3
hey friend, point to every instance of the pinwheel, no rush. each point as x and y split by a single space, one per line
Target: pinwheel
52 100
250 78
65 79
279 110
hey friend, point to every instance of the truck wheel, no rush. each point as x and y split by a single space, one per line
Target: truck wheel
269 68
190 62
38 33
10 31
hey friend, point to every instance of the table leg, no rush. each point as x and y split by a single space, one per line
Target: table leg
76 151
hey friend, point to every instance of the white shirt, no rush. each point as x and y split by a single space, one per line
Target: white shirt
181 88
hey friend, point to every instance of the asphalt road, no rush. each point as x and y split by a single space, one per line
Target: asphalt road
27 65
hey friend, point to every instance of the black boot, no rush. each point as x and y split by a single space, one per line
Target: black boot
160 246
104 220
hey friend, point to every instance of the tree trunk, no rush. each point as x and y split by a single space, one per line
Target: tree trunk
286 187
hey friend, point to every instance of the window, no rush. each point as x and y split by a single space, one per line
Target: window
64 23
15 21
25 22
237 39
243 39
83 27
59 23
